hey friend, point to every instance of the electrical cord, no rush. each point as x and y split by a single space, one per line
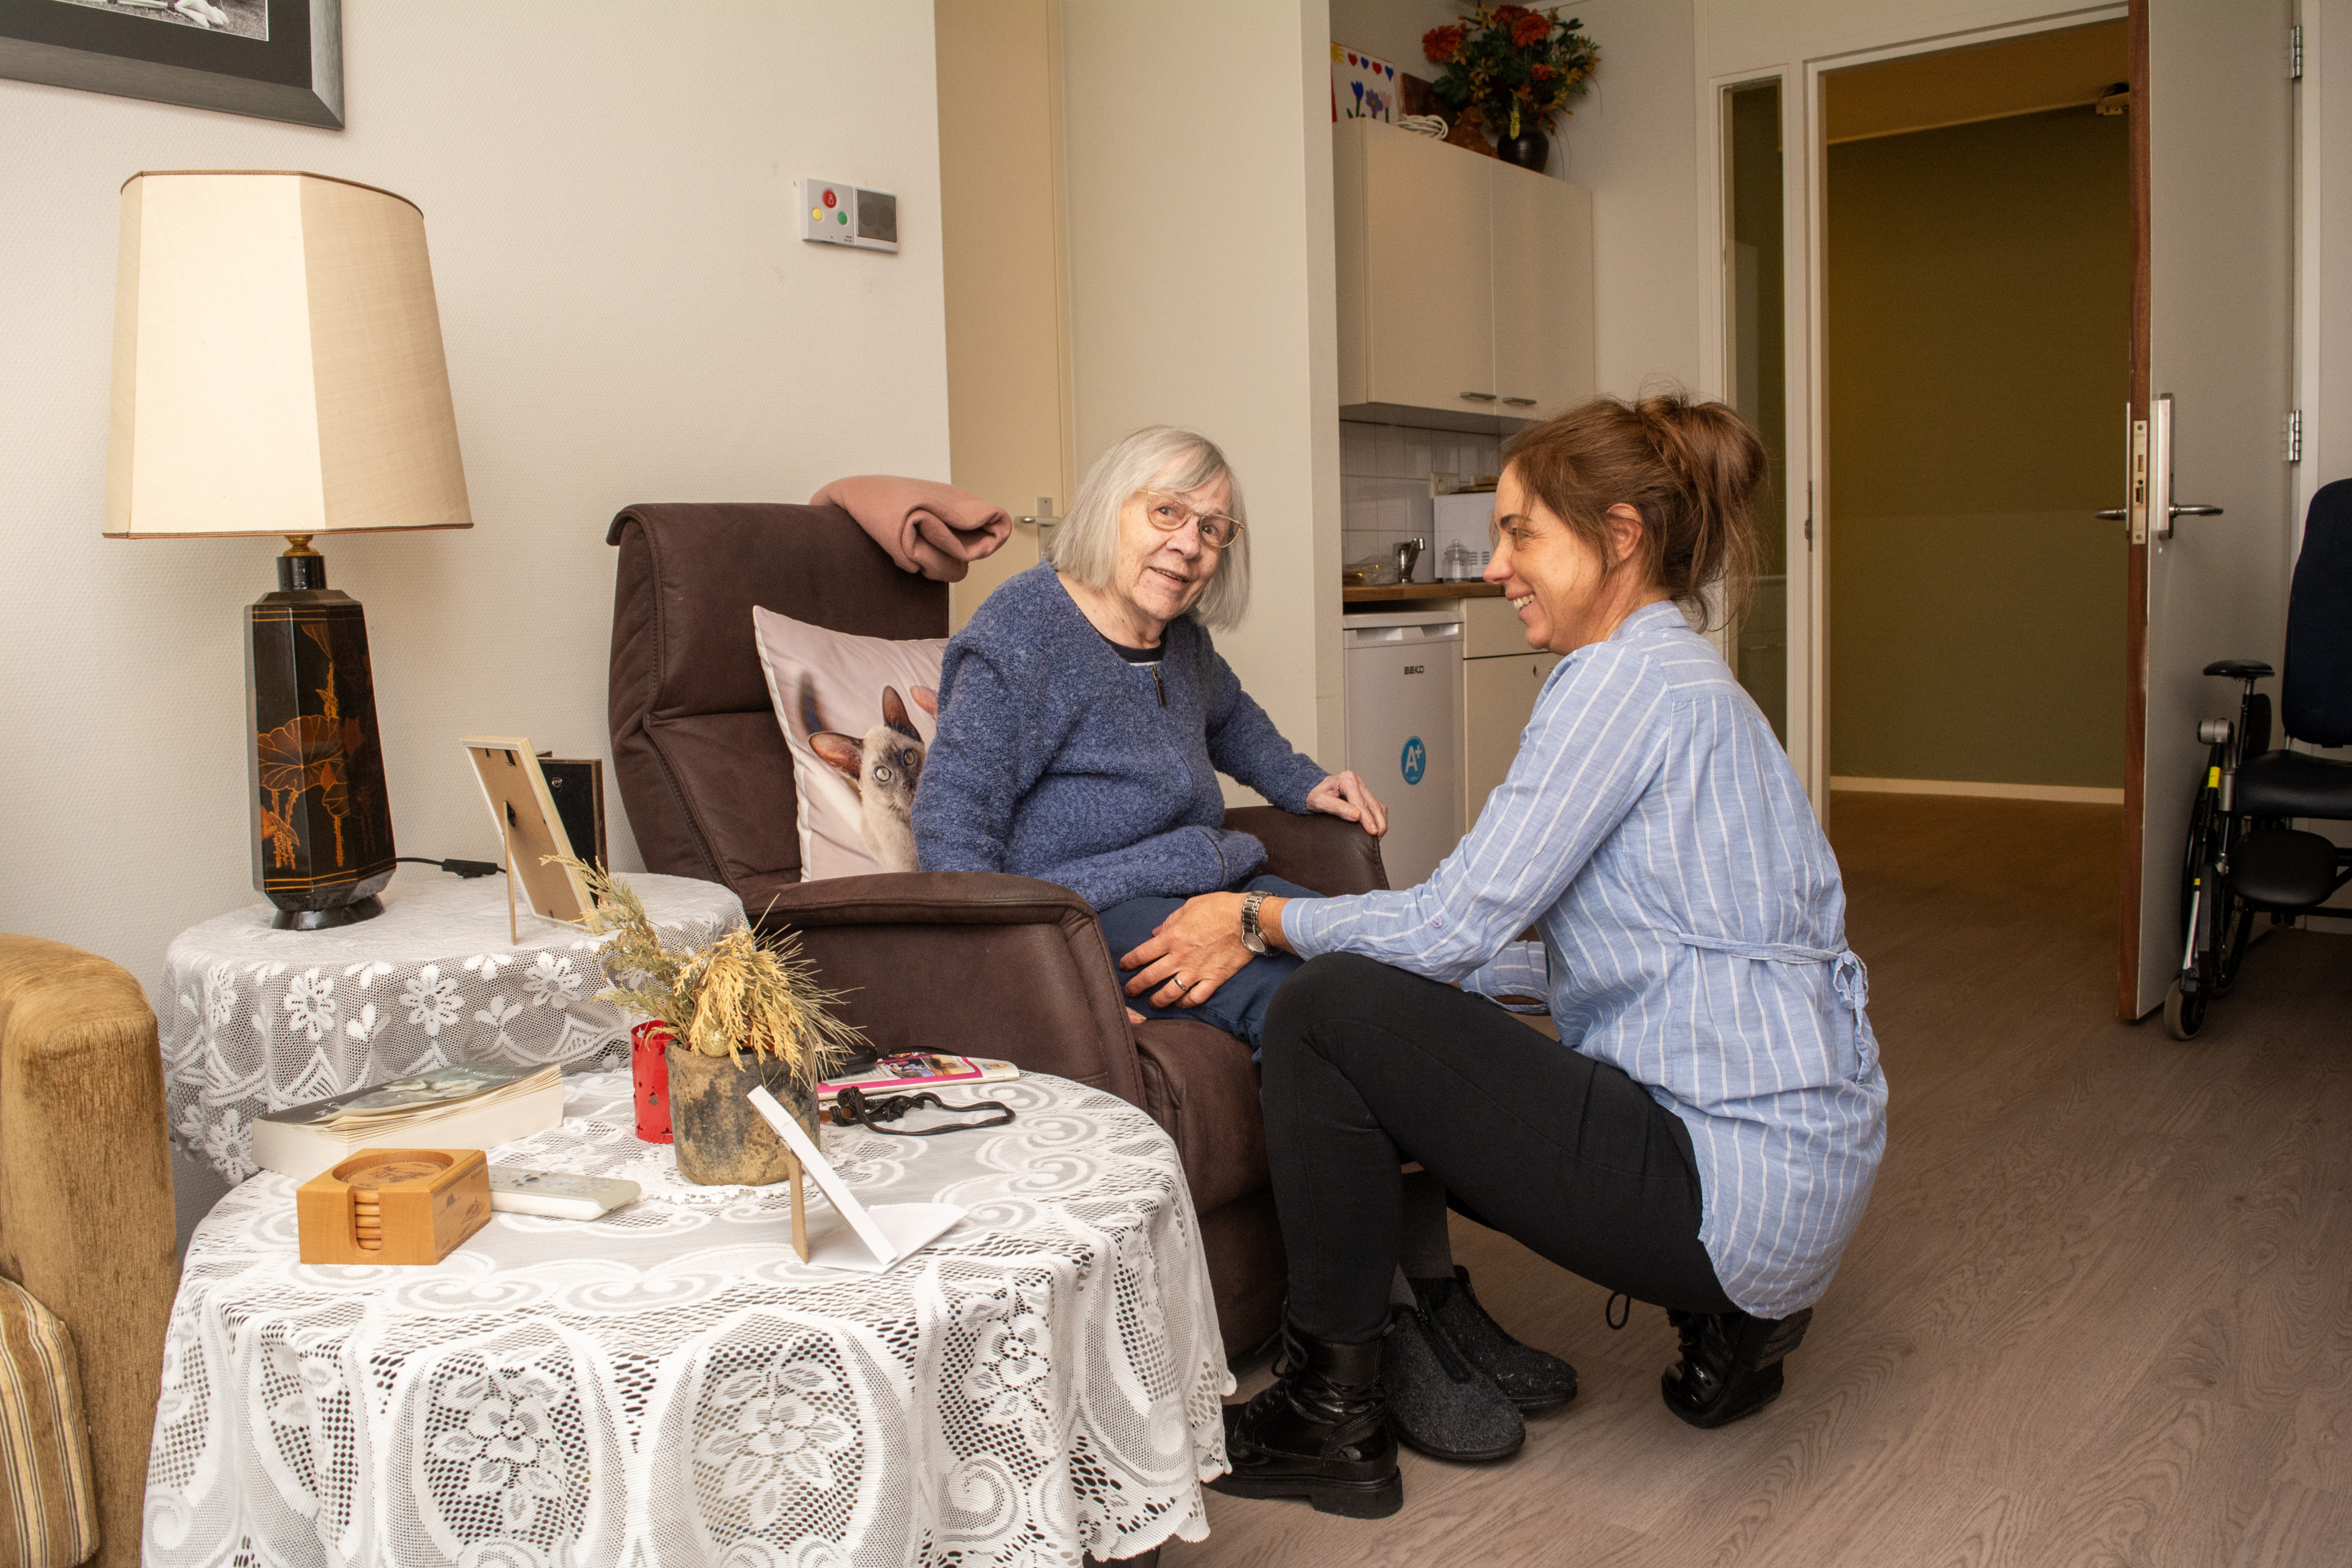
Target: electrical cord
468 868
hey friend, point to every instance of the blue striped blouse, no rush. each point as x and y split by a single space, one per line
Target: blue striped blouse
1694 934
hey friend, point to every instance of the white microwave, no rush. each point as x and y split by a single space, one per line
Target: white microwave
1461 519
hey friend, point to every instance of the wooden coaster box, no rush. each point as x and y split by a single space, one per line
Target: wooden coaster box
394 1205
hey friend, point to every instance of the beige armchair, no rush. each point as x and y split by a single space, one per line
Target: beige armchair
86 1224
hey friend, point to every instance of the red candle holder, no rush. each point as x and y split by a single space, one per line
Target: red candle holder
649 1075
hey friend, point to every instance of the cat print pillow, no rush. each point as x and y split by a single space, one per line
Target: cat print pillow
858 714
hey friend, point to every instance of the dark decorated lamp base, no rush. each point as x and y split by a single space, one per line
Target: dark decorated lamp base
321 819
334 915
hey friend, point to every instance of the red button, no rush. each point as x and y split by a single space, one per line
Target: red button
831 200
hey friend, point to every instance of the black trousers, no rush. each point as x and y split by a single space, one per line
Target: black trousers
1367 1066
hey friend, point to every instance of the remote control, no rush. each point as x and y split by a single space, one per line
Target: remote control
558 1194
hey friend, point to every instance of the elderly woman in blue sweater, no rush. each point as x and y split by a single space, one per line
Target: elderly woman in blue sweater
1084 715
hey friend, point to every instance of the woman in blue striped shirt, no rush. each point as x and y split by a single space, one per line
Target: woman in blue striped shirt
1706 1134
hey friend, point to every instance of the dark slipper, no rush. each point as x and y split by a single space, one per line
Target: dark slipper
1439 1403
1528 1378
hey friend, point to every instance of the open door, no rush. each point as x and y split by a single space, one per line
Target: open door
1004 271
2211 502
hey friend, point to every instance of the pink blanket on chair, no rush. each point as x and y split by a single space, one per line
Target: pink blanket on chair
928 527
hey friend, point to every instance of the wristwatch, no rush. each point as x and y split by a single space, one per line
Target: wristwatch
1252 938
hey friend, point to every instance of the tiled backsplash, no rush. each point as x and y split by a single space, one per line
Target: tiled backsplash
1384 484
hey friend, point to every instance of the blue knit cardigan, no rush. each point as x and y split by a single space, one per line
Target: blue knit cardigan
1056 759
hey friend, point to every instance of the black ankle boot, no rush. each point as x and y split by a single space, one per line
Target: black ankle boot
1438 1402
1730 1365
1321 1431
1528 1377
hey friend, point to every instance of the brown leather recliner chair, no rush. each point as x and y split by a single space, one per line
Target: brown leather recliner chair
969 962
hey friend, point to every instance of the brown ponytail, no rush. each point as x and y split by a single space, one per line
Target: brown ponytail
1690 470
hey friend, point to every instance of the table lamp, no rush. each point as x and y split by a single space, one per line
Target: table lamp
277 370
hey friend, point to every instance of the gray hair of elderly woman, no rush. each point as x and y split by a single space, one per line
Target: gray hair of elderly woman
1158 456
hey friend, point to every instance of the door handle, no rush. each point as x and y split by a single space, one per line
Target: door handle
1521 402
1479 396
2160 508
2113 514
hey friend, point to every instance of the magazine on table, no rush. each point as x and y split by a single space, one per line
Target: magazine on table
414 1096
913 1070
468 1105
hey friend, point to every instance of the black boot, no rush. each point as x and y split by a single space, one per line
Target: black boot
1321 1431
1730 1365
1438 1402
1529 1378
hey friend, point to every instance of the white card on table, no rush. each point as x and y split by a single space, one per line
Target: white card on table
907 1227
910 1227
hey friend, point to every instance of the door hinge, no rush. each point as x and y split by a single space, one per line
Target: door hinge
1809 514
2295 435
2294 53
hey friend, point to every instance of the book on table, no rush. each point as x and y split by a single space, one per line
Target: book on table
468 1105
914 1070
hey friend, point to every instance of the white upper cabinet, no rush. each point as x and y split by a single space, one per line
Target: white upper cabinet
1464 285
1542 291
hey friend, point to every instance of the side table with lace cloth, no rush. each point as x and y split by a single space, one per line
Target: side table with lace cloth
671 1385
254 1019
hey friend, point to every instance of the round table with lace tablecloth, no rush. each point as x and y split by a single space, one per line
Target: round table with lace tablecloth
254 1019
671 1385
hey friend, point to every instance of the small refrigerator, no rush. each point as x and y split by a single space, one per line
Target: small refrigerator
1404 673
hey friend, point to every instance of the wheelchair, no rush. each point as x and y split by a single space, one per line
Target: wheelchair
2243 858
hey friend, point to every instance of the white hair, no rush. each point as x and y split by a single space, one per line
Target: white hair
1158 456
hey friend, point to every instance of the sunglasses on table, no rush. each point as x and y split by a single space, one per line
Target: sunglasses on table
1169 513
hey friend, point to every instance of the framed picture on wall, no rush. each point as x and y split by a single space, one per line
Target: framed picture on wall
277 59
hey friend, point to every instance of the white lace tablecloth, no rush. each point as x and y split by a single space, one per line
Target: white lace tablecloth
671 1385
254 1019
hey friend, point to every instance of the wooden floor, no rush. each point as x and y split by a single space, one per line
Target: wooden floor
2100 1309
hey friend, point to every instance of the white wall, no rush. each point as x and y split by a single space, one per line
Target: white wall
1200 294
2325 344
1634 144
628 316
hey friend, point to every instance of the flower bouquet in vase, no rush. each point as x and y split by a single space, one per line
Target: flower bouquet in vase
738 1012
1514 69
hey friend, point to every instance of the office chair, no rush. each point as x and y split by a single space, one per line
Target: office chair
2243 858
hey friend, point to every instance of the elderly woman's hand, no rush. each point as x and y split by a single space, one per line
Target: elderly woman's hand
1190 954
1343 796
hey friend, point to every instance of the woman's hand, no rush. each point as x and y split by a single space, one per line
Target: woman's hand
1343 796
1190 954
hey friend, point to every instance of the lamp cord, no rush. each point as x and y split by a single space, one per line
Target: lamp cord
468 868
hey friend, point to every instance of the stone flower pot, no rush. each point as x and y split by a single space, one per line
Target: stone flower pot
720 1137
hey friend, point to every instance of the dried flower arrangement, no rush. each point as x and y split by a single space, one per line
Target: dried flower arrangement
739 993
1507 62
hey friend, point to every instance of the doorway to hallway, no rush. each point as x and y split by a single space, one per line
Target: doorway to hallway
1976 331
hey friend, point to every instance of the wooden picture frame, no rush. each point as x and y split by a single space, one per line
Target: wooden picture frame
530 828
145 49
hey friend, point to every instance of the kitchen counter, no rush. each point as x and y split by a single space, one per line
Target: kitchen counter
1391 592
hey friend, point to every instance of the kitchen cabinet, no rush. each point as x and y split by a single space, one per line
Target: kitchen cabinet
1498 695
1501 678
1464 285
1542 230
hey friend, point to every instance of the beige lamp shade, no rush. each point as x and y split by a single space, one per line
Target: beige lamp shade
278 365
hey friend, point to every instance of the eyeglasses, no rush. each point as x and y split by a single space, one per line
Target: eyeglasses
1169 513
